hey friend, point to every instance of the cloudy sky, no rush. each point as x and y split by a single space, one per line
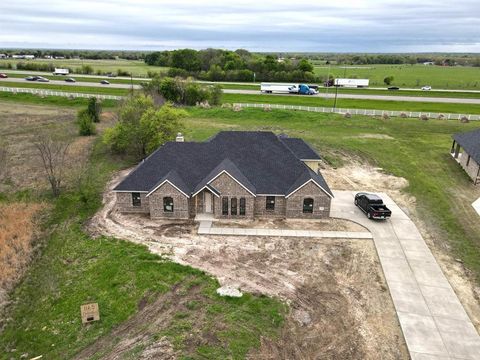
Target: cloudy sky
267 25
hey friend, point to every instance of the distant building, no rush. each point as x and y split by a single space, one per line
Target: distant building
27 57
59 57
428 63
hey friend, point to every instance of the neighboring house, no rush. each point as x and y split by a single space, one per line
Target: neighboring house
235 174
466 150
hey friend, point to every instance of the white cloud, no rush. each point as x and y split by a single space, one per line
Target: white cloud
341 25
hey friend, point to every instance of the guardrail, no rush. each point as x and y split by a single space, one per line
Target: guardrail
366 112
46 92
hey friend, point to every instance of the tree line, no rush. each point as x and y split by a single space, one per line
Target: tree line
226 65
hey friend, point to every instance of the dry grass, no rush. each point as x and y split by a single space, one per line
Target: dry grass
17 239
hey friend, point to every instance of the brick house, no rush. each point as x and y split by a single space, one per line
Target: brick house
466 150
234 174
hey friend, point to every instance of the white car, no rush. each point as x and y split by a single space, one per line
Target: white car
427 88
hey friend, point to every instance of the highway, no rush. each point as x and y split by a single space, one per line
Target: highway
368 97
62 82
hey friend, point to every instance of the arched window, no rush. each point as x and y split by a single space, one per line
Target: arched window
167 204
308 206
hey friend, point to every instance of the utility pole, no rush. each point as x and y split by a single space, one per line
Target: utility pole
336 93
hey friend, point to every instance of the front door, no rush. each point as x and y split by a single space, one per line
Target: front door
208 202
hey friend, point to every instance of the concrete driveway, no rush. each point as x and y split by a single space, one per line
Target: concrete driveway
434 322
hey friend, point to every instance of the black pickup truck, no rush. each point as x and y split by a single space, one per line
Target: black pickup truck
372 205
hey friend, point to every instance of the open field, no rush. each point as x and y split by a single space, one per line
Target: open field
354 103
136 67
411 76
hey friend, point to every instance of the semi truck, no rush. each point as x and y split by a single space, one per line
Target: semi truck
358 83
300 89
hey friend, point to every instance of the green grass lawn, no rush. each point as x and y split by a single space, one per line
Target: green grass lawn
418 152
74 268
51 100
137 68
414 76
67 88
354 103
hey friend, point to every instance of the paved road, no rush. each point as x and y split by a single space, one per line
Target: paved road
368 97
63 82
434 322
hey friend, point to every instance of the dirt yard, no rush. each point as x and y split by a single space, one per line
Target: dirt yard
340 306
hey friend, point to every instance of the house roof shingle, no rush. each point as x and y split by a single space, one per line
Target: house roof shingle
470 142
259 160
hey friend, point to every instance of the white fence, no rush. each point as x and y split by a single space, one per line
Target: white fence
46 92
409 114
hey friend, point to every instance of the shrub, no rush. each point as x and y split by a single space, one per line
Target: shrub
86 127
424 117
385 116
464 119
441 117
403 115
347 115
215 95
237 108
94 109
267 108
226 105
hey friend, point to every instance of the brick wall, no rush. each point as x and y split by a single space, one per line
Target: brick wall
260 207
230 188
180 203
472 168
321 203
124 203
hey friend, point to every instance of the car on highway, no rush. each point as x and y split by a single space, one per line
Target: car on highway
30 78
42 79
372 205
3 76
111 75
393 88
104 82
426 88
72 80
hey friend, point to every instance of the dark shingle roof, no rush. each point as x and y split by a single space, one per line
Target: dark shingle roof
300 148
470 142
259 160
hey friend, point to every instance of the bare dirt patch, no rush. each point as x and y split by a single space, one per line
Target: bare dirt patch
375 136
320 224
18 233
340 306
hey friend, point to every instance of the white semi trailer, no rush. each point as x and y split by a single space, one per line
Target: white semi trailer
301 89
59 71
352 82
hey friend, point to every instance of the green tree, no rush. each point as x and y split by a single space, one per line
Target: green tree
388 80
142 127
216 94
305 66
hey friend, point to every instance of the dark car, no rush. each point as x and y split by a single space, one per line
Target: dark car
70 80
104 82
372 205
31 78
3 76
393 88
